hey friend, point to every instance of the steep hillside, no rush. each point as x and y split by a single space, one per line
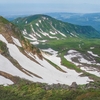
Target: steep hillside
74 46
43 27
18 58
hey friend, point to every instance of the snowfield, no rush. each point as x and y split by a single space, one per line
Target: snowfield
16 41
91 70
75 54
4 81
71 75
48 73
90 52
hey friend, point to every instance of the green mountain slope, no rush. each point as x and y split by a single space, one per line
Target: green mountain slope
45 27
72 52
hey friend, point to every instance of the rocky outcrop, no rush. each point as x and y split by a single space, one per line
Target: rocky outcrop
74 86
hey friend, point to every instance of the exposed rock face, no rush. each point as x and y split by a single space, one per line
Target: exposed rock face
74 85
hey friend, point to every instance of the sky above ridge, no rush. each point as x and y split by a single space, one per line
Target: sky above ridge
16 7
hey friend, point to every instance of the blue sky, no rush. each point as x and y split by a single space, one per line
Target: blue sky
8 7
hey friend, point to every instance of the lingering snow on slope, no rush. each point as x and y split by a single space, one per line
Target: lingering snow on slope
90 52
82 60
72 54
26 22
37 24
42 40
47 34
71 75
24 32
4 81
3 39
8 67
75 54
73 35
45 70
51 51
35 32
48 73
34 43
44 33
92 47
32 37
58 31
39 21
91 70
52 33
16 41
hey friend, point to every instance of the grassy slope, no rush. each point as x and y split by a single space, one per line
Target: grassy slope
36 91
64 27
73 44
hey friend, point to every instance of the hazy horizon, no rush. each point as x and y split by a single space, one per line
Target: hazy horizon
23 7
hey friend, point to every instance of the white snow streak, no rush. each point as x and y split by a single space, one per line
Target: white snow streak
35 43
71 75
16 41
73 35
91 70
49 74
4 81
37 24
90 52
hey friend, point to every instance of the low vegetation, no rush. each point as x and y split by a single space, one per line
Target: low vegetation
36 91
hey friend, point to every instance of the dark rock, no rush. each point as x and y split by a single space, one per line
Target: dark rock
74 85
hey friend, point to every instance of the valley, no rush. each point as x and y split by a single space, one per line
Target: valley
39 51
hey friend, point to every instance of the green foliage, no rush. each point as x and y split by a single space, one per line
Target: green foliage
69 64
56 66
50 24
3 20
35 91
3 47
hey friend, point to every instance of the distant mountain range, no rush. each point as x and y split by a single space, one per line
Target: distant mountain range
43 27
91 19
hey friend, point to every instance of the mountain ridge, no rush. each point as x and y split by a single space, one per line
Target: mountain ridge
46 24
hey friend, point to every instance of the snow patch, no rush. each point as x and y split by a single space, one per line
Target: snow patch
35 42
32 37
50 51
45 70
39 21
4 81
71 75
75 54
52 33
24 32
73 35
37 24
91 70
90 52
58 31
26 22
91 47
16 41
35 32
42 40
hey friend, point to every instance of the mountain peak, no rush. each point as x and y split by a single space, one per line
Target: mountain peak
43 27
